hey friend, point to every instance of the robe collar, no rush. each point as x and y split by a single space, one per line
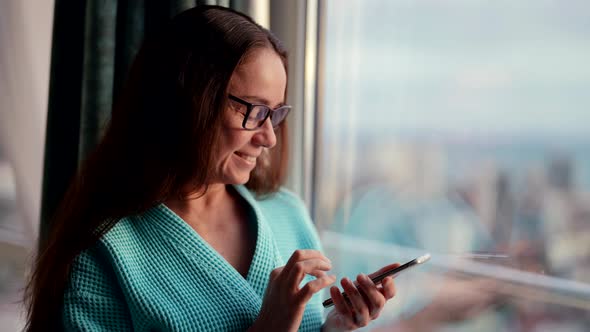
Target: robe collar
266 254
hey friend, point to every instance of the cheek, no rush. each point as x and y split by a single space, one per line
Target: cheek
232 141
233 137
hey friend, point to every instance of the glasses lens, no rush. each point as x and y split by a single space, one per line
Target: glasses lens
278 115
257 116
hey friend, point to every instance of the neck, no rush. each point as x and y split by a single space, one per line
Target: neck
201 206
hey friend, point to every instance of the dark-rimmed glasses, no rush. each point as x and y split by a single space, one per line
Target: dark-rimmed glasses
256 114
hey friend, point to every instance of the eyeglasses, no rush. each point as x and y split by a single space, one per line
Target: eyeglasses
256 114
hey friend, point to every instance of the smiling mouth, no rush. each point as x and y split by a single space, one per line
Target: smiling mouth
246 157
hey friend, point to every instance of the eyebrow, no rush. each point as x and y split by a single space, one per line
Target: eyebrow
258 100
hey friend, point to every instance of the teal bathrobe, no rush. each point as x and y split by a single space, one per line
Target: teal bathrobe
153 272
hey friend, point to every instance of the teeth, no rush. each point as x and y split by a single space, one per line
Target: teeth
248 158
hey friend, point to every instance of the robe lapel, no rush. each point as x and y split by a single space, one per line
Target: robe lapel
266 255
206 260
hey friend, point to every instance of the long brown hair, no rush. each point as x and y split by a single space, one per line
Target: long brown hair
162 133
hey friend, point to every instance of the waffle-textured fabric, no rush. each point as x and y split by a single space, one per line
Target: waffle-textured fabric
153 272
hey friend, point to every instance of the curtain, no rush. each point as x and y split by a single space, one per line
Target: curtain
94 42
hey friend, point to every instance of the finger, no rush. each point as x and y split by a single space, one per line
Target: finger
317 273
274 274
388 288
342 306
314 286
314 267
361 311
374 299
304 254
384 269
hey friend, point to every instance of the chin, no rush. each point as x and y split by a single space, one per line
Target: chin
238 179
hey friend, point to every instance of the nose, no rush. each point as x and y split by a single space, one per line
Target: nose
265 135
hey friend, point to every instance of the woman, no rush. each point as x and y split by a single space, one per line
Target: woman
158 231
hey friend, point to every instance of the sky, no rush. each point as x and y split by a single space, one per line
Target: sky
460 66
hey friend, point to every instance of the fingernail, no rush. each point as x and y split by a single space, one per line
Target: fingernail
365 280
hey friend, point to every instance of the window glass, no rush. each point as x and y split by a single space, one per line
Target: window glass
460 128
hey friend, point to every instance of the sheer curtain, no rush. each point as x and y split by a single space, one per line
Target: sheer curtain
25 45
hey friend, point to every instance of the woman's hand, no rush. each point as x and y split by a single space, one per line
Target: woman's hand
365 301
284 302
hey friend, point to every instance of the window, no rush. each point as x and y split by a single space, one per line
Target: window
459 128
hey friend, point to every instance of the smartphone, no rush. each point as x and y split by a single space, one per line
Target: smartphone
392 272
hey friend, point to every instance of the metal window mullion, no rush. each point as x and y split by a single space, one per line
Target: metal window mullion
288 24
312 113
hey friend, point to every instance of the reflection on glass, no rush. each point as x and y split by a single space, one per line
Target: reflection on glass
461 127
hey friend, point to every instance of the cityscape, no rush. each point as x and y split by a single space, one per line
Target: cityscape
524 197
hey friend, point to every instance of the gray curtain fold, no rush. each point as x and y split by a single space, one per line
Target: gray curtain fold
94 43
98 71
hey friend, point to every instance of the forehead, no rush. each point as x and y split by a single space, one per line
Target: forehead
261 75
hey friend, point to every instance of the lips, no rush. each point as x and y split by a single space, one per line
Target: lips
246 157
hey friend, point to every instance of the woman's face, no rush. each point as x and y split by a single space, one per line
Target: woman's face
261 79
